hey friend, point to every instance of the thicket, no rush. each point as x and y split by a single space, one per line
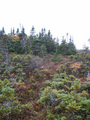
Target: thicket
39 44
62 97
10 106
65 98
19 84
67 48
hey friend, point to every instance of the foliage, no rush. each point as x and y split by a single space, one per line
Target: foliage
56 58
24 93
67 48
10 107
37 44
64 97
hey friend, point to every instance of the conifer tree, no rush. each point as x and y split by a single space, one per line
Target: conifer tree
24 40
32 32
5 49
17 31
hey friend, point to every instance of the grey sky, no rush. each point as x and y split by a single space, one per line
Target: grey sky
59 16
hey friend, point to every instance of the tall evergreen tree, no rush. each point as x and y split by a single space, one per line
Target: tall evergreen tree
32 32
24 40
17 31
4 49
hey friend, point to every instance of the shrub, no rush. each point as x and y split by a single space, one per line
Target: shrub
10 107
64 97
56 59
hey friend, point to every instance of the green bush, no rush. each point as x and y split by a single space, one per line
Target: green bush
65 97
10 107
67 48
56 59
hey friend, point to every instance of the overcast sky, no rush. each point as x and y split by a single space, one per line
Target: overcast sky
58 16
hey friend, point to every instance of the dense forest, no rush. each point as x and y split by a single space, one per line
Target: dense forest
38 44
41 79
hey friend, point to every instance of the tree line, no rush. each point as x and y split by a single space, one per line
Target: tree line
38 44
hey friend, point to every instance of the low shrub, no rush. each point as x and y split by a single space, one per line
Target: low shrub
64 97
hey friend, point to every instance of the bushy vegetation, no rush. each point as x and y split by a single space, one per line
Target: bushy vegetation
19 84
61 97
31 89
56 58
65 99
67 48
39 44
10 106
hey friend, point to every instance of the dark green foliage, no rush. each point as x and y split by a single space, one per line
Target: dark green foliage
21 43
71 49
67 48
43 39
15 46
36 46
